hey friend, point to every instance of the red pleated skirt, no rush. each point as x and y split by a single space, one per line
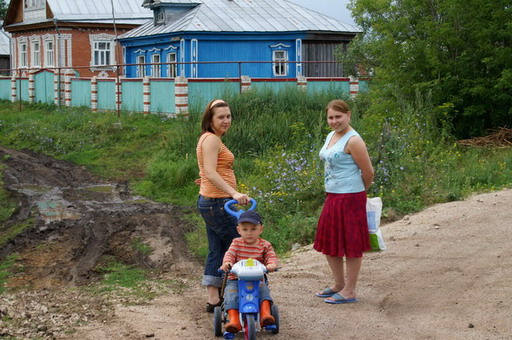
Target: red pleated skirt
343 226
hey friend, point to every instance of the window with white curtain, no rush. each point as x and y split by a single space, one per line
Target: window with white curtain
155 68
172 71
49 54
280 57
23 54
36 54
102 53
141 60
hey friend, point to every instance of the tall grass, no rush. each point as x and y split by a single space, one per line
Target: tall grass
275 138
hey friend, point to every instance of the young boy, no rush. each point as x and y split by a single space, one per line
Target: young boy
249 245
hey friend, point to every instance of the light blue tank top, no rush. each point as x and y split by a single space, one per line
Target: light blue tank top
341 173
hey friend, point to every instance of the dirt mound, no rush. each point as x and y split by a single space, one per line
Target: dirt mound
81 220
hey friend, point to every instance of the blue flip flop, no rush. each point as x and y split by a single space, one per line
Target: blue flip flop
327 292
340 299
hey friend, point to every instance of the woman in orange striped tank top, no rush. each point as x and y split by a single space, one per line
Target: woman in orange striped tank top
217 186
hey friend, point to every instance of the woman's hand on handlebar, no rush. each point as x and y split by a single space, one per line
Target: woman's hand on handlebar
242 199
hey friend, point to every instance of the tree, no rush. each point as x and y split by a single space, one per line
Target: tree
3 9
459 50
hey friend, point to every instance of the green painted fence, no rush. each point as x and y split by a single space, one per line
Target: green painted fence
80 92
162 91
5 88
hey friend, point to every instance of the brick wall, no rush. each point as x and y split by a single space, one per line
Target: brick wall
76 49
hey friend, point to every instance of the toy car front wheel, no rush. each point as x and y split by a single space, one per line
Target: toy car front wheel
275 313
250 327
217 321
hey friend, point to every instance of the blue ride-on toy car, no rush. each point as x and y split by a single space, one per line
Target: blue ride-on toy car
249 272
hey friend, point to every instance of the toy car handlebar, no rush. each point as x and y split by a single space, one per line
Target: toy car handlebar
237 214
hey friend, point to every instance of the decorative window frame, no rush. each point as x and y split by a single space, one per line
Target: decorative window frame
64 48
172 69
182 58
22 55
194 57
47 57
31 5
103 38
35 53
156 69
281 63
298 54
160 17
141 69
14 52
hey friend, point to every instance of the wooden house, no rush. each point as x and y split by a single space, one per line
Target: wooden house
231 38
71 34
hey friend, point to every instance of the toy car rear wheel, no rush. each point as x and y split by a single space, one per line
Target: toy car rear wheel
250 327
275 313
217 321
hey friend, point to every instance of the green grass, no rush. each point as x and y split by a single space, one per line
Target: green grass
5 271
7 203
275 138
141 247
9 233
130 284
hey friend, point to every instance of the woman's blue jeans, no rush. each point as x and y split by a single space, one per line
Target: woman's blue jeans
220 230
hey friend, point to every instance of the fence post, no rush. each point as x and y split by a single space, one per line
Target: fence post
31 88
94 94
181 95
302 83
67 89
246 83
55 88
146 94
13 87
119 94
354 86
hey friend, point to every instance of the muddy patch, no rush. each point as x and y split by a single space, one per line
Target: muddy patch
74 219
67 225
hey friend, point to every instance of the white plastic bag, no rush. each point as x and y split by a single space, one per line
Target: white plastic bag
373 213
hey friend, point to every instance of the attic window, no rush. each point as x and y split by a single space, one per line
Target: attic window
160 17
34 4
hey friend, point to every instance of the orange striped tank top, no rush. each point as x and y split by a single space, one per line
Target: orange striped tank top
224 169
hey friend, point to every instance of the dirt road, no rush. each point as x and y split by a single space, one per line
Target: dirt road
446 275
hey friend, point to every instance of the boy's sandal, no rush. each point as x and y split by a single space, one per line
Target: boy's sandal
340 299
327 292
210 308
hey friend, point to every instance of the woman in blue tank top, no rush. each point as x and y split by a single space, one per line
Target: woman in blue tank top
342 227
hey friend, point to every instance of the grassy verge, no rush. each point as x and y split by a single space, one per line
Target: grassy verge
276 138
129 284
7 203
5 271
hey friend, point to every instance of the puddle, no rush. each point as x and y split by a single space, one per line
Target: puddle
57 211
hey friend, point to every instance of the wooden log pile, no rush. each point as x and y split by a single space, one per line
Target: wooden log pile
501 137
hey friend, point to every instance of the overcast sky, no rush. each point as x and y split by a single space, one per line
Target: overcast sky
333 8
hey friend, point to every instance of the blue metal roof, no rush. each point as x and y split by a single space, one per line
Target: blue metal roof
242 16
